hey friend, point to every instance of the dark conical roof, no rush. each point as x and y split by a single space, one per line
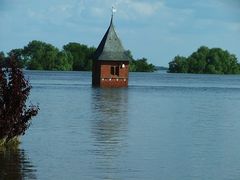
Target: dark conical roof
110 48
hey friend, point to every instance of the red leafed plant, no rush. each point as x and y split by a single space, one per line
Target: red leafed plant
15 116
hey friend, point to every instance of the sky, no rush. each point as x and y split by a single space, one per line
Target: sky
158 30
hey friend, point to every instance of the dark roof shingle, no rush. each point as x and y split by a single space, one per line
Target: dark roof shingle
110 48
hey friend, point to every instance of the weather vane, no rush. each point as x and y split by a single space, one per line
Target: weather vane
113 10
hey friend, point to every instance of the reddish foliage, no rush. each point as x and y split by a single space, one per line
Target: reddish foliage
15 116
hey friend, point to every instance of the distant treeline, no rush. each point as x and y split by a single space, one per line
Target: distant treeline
38 55
206 61
140 65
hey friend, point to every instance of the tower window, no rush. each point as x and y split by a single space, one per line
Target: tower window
112 70
115 70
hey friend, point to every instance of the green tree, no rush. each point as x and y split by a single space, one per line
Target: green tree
129 54
39 55
216 59
205 60
2 59
132 62
197 61
179 64
64 61
132 66
143 66
82 55
139 65
18 54
211 69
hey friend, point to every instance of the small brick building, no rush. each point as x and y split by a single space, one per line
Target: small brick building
111 62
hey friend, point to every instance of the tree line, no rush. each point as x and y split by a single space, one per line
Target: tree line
206 61
38 55
140 65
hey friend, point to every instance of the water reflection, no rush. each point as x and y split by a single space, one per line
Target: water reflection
14 164
109 129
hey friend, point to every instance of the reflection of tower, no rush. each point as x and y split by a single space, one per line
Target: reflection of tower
15 165
109 128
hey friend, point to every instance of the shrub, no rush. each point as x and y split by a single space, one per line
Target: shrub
15 116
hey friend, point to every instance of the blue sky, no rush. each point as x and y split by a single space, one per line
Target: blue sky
156 29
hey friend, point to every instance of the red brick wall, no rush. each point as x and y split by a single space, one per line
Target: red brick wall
106 69
96 73
114 83
105 79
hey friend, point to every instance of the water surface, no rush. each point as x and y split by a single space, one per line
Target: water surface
163 126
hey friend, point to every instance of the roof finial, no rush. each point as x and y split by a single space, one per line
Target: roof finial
113 10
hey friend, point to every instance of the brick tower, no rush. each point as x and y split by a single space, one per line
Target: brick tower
111 62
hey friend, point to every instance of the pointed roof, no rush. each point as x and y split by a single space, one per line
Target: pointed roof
110 48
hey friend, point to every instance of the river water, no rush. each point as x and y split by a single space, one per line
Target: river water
163 126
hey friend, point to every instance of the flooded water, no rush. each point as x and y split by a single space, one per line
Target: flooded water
163 126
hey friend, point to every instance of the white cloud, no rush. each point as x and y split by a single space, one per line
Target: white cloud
77 9
96 11
125 8
233 26
144 8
